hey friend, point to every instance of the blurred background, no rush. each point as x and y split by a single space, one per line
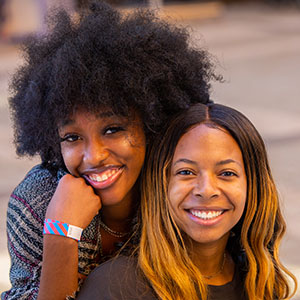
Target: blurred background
256 47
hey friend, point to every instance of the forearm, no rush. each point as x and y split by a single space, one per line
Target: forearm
59 276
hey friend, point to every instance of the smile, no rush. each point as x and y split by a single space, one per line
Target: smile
206 215
104 179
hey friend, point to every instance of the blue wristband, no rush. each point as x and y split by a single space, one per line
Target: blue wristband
64 229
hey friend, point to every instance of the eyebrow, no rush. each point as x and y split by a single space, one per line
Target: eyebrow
184 160
219 163
65 123
105 114
227 161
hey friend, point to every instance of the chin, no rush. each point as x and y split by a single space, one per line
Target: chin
109 198
110 201
207 238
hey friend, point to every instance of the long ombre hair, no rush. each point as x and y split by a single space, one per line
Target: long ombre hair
163 256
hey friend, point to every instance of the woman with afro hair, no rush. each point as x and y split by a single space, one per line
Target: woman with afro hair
90 99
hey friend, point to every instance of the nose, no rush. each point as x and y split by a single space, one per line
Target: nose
96 152
206 187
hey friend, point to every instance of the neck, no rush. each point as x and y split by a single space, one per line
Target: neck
118 217
216 268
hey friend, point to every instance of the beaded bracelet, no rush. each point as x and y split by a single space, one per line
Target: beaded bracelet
63 229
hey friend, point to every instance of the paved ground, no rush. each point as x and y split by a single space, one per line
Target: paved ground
257 49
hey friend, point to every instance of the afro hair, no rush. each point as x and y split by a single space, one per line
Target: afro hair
100 59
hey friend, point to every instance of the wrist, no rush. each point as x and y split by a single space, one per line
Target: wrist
54 227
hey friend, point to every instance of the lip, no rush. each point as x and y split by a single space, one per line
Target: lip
207 222
107 182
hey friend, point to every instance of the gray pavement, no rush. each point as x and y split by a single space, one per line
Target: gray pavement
257 49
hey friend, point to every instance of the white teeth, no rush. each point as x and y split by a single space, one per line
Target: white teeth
103 177
206 215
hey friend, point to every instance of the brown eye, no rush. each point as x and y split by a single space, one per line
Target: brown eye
185 172
113 129
70 138
228 174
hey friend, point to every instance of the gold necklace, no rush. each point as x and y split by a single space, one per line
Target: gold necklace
219 272
112 232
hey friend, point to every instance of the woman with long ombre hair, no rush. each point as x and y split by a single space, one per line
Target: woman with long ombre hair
211 220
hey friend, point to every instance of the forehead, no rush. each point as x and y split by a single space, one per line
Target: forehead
81 115
206 143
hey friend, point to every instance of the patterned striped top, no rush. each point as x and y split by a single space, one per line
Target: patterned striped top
25 217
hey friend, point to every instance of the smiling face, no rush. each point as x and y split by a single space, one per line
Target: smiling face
208 187
107 150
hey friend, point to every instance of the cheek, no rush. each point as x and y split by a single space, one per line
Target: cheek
240 202
172 187
176 195
244 192
243 205
139 155
177 192
136 140
71 158
134 150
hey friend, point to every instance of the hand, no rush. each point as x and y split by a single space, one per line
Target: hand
74 202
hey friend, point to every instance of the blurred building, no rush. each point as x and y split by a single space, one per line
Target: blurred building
23 17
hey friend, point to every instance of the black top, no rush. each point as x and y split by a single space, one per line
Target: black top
120 279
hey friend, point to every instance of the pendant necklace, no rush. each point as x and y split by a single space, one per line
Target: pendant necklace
219 272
